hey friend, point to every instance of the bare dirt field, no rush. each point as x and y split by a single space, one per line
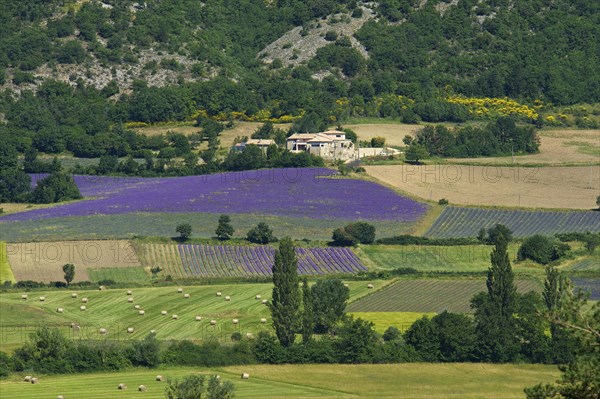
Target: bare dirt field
539 187
556 147
393 133
43 261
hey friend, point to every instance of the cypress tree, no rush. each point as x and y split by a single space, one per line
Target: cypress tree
500 279
285 305
308 322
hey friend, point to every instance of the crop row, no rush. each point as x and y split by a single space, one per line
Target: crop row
203 260
428 295
457 222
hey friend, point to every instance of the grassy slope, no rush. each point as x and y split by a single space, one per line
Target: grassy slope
6 273
163 225
110 309
413 380
383 320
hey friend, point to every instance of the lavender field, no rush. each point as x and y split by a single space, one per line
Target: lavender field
245 261
305 193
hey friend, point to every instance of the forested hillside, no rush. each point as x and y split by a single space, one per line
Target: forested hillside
74 71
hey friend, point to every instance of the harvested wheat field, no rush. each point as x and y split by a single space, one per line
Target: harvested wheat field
547 187
43 261
393 133
556 147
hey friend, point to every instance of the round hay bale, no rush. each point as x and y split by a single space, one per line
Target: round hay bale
27 378
103 331
218 377
213 322
130 300
369 286
34 380
82 308
219 293
164 312
73 325
198 318
60 397
263 320
186 296
179 290
159 378
152 331
42 298
245 376
102 288
130 330
257 297
235 321
174 317
129 292
249 336
84 300
74 295
264 301
228 298
346 285
59 310
142 388
24 296
136 307
122 387
141 312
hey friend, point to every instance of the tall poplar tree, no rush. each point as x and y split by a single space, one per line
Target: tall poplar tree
308 322
496 325
285 304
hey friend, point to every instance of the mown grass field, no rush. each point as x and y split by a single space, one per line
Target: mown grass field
382 320
411 380
163 225
429 295
430 258
110 309
6 273
120 274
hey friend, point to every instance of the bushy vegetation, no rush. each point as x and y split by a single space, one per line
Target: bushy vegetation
354 233
542 249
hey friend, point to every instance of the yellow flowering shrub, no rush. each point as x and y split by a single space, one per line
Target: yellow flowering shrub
492 107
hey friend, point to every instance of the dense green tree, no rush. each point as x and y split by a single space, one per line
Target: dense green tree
6 366
56 187
14 185
184 230
224 229
261 234
416 153
542 249
69 271
308 318
285 303
329 299
145 352
357 341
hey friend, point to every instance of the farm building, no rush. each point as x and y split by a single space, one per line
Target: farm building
263 144
331 144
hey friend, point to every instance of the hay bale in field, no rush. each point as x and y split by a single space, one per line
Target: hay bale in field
84 300
82 308
219 293
198 318
175 317
27 378
42 298
369 286
228 298
264 301
130 330
257 297
164 312
136 307
24 296
129 292
122 387
130 300
235 321
213 322
249 336
141 313
74 325
142 388
346 285
102 288
34 380
59 310
245 376
74 295
159 378
263 320
179 290
152 331
103 331
186 296
60 397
